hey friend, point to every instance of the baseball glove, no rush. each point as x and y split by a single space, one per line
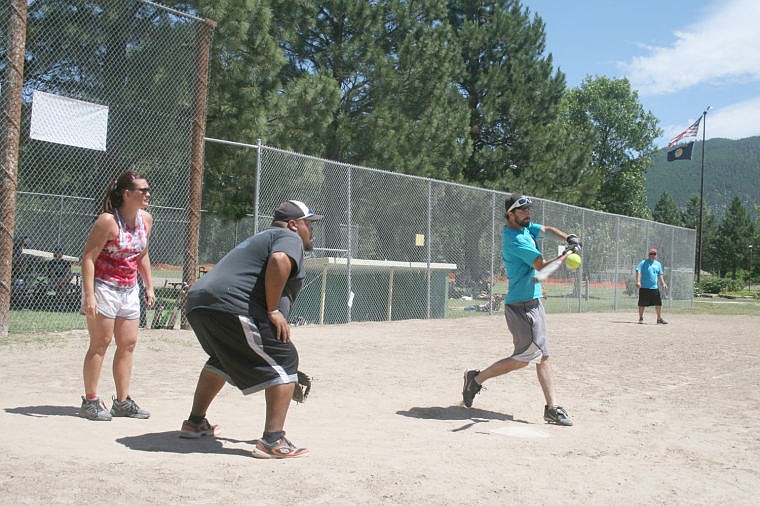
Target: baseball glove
303 387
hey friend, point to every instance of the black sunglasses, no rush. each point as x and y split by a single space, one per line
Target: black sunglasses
141 190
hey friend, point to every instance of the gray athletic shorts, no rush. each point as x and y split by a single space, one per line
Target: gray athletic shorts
527 323
244 351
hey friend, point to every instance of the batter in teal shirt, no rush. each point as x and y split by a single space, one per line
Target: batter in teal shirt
524 308
519 250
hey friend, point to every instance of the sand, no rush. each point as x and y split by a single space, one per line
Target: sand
663 414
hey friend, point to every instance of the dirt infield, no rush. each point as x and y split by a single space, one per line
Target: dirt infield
663 414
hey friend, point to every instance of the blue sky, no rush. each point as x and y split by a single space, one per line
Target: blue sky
680 56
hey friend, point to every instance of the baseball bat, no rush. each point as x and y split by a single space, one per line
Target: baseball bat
551 267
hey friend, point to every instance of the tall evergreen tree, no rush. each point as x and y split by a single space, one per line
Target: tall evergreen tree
249 100
666 211
736 232
395 67
398 108
512 92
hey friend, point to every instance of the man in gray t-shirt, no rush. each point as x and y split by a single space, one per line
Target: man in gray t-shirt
239 311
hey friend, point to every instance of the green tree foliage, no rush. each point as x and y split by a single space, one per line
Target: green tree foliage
666 211
249 100
395 68
624 141
512 94
736 233
398 108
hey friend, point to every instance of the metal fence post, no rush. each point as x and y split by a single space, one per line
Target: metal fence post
349 257
429 235
617 263
257 183
493 252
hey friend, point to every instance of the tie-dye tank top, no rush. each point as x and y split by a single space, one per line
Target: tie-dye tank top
117 263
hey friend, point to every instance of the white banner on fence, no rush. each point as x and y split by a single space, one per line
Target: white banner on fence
67 121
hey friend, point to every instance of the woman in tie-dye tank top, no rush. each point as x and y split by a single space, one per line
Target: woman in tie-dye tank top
116 250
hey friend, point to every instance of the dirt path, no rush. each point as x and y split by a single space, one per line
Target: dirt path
664 414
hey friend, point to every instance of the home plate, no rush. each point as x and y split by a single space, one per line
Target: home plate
521 431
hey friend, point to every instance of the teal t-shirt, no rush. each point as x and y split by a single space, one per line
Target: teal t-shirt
649 270
519 250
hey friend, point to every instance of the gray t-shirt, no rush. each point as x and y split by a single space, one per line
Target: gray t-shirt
236 284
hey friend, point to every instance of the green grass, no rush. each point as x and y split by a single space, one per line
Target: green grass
721 306
28 322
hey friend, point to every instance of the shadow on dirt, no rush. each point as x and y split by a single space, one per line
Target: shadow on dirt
457 412
45 410
170 442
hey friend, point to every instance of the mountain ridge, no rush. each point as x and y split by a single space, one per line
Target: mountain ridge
731 168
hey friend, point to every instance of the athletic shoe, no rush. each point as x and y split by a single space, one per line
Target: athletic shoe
471 387
128 408
94 409
661 321
192 430
557 415
641 321
280 449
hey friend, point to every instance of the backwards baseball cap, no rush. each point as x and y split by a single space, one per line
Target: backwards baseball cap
516 202
653 250
294 210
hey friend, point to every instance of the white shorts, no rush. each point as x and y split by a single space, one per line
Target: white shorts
116 302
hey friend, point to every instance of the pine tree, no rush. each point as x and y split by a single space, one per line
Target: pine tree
666 211
736 231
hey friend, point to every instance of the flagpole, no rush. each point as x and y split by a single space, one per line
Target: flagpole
701 196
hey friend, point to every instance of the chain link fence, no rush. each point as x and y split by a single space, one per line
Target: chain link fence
394 246
391 246
107 86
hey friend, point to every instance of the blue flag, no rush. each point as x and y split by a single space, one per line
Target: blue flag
682 152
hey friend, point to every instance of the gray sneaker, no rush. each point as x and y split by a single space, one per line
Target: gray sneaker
94 409
128 408
470 388
557 415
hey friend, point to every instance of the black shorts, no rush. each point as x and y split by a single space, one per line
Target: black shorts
244 351
649 297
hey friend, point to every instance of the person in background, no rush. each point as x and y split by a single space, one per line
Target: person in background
648 272
59 271
115 251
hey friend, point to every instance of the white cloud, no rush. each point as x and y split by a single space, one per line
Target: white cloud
722 48
736 121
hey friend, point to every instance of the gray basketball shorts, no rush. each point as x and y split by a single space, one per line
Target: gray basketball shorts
244 351
527 323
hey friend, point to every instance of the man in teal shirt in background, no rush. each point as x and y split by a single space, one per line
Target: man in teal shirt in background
647 274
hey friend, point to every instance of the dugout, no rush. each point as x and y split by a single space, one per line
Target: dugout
383 290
